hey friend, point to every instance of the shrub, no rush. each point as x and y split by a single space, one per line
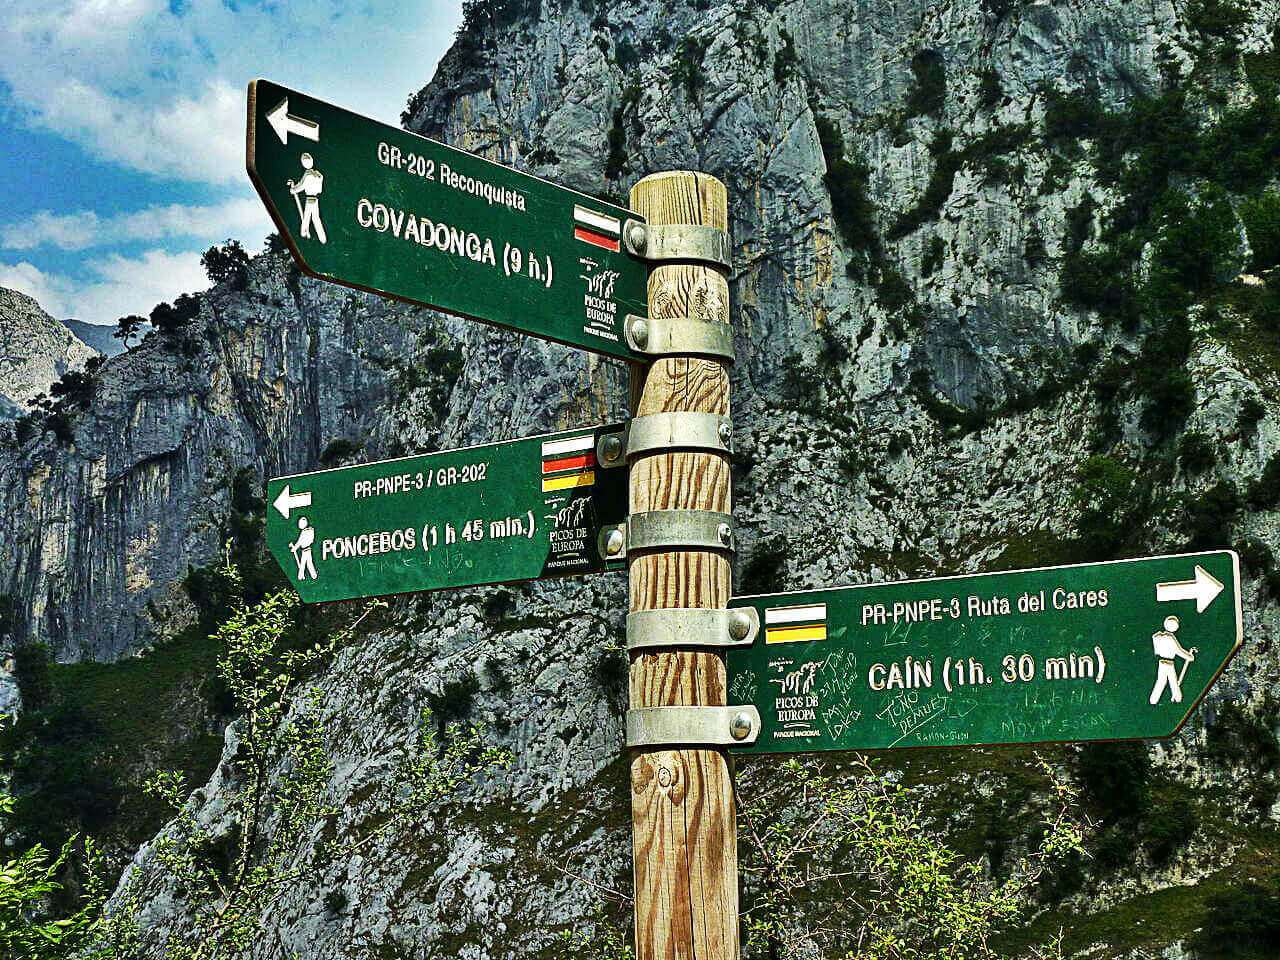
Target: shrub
610 672
1236 735
801 382
687 71
893 290
31 671
941 409
68 783
1196 251
228 263
1261 563
1115 846
1257 556
847 181
1113 779
1242 922
1219 19
336 901
928 94
881 876
785 60
336 451
1196 452
616 162
1170 400
1069 117
454 702
1264 492
946 164
415 103
626 55
1261 218
1170 825
499 606
1209 515
496 676
1033 249
1251 411
934 254
1103 503
762 573
990 93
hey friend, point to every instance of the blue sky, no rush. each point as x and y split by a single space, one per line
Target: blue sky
122 128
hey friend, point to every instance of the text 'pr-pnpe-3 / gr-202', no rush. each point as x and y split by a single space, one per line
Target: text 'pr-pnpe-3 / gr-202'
495 513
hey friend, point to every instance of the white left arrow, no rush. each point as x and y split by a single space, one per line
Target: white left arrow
287 501
1203 589
284 123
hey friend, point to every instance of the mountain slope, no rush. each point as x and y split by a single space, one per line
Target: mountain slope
97 336
35 350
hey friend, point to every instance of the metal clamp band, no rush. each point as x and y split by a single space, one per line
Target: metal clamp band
688 627
677 243
692 726
668 530
662 432
711 432
678 337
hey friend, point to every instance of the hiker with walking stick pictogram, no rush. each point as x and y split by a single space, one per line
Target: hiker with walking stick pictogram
310 186
301 550
1167 650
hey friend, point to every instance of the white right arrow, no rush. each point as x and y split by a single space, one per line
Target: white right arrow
284 123
287 501
1203 589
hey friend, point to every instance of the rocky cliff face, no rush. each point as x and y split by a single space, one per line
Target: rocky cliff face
1003 297
35 350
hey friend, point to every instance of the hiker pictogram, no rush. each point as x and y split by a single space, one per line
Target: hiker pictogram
1168 650
301 549
310 186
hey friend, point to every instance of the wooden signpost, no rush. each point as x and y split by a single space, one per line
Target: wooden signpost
682 814
1098 651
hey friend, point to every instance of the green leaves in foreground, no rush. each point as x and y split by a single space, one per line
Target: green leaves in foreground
28 881
851 867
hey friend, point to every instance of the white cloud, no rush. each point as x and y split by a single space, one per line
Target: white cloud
188 138
47 290
242 218
164 93
119 285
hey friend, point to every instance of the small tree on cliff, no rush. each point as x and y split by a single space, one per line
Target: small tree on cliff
128 327
228 263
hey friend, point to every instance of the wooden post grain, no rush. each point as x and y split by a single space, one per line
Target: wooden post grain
684 832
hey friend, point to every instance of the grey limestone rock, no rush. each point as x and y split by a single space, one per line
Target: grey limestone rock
916 424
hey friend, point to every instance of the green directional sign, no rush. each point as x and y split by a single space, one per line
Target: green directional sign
1101 651
495 513
370 206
